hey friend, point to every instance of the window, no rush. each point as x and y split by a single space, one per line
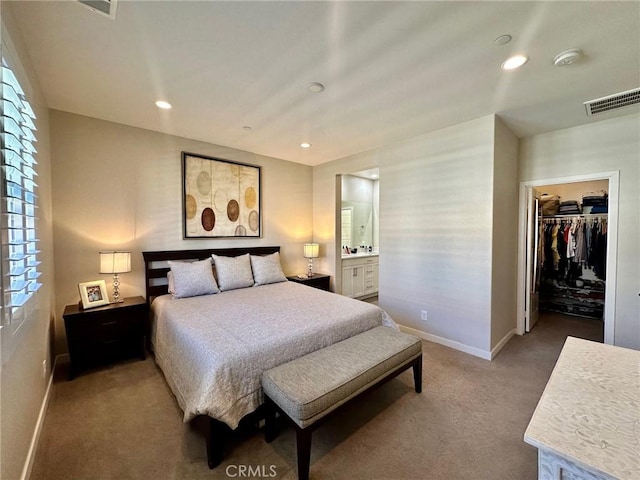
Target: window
20 265
346 225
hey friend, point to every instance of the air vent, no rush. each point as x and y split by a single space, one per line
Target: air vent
613 102
103 7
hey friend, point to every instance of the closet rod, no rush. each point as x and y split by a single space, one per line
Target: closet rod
578 215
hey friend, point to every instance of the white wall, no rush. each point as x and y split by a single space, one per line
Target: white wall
610 145
119 187
24 382
436 209
505 233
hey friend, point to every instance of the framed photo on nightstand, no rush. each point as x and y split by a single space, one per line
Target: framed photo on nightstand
93 294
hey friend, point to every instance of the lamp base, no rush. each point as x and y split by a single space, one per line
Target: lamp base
310 269
116 290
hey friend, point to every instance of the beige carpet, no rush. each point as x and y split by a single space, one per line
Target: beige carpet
122 422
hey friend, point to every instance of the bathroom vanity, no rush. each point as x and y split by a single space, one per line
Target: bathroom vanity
360 275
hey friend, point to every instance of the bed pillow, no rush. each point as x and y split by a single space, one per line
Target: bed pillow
191 279
171 284
267 269
233 272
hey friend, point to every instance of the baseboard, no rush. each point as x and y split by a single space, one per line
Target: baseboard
448 343
495 350
28 464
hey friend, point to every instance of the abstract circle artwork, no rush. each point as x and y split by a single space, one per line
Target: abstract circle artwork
204 183
254 220
190 206
208 219
250 197
233 210
221 198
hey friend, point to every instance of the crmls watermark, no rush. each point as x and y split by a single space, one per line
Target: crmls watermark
251 471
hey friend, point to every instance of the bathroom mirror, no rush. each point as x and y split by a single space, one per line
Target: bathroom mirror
359 211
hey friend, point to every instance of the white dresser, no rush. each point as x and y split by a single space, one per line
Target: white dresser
587 422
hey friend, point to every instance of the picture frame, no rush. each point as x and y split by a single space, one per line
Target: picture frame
93 294
220 198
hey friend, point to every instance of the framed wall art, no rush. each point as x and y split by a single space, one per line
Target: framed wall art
220 198
93 294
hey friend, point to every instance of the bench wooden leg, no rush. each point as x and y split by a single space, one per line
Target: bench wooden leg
270 429
303 445
417 374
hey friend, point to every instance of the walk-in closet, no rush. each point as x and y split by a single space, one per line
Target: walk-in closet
573 246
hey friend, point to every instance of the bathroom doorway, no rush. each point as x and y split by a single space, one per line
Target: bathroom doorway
357 227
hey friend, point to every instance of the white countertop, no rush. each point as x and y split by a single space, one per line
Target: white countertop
360 254
589 411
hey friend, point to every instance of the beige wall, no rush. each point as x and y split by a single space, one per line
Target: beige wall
436 232
504 240
26 352
119 187
610 145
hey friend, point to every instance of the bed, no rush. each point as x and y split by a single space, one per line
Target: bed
213 348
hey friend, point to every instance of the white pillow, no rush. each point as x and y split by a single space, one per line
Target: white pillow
171 284
233 272
191 279
267 269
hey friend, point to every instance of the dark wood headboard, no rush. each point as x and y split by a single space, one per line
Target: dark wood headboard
156 267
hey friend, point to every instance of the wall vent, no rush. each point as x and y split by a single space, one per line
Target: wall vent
613 102
103 7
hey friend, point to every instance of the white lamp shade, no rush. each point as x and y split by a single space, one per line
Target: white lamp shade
115 262
311 250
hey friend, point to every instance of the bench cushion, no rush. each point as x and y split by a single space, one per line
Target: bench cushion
310 387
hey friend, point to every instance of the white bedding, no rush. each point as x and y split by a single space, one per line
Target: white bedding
214 348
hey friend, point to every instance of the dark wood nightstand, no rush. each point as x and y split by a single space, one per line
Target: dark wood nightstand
319 280
103 334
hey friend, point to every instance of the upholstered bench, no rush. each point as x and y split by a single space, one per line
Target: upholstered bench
307 389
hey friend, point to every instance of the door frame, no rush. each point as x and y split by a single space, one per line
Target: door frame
612 245
531 259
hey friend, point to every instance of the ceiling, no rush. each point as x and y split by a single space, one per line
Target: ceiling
392 70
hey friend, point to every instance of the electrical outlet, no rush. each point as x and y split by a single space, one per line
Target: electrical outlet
423 315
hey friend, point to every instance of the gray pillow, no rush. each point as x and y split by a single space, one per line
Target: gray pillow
191 279
267 269
233 272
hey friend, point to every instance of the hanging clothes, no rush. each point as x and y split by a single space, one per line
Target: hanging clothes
581 245
575 240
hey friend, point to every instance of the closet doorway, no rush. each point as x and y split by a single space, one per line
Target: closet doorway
559 273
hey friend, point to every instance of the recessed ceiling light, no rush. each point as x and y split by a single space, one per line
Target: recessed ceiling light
305 145
514 62
315 87
162 104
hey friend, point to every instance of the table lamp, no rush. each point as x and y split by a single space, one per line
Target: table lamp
116 263
311 251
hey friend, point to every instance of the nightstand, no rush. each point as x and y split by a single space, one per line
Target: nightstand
103 334
319 280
